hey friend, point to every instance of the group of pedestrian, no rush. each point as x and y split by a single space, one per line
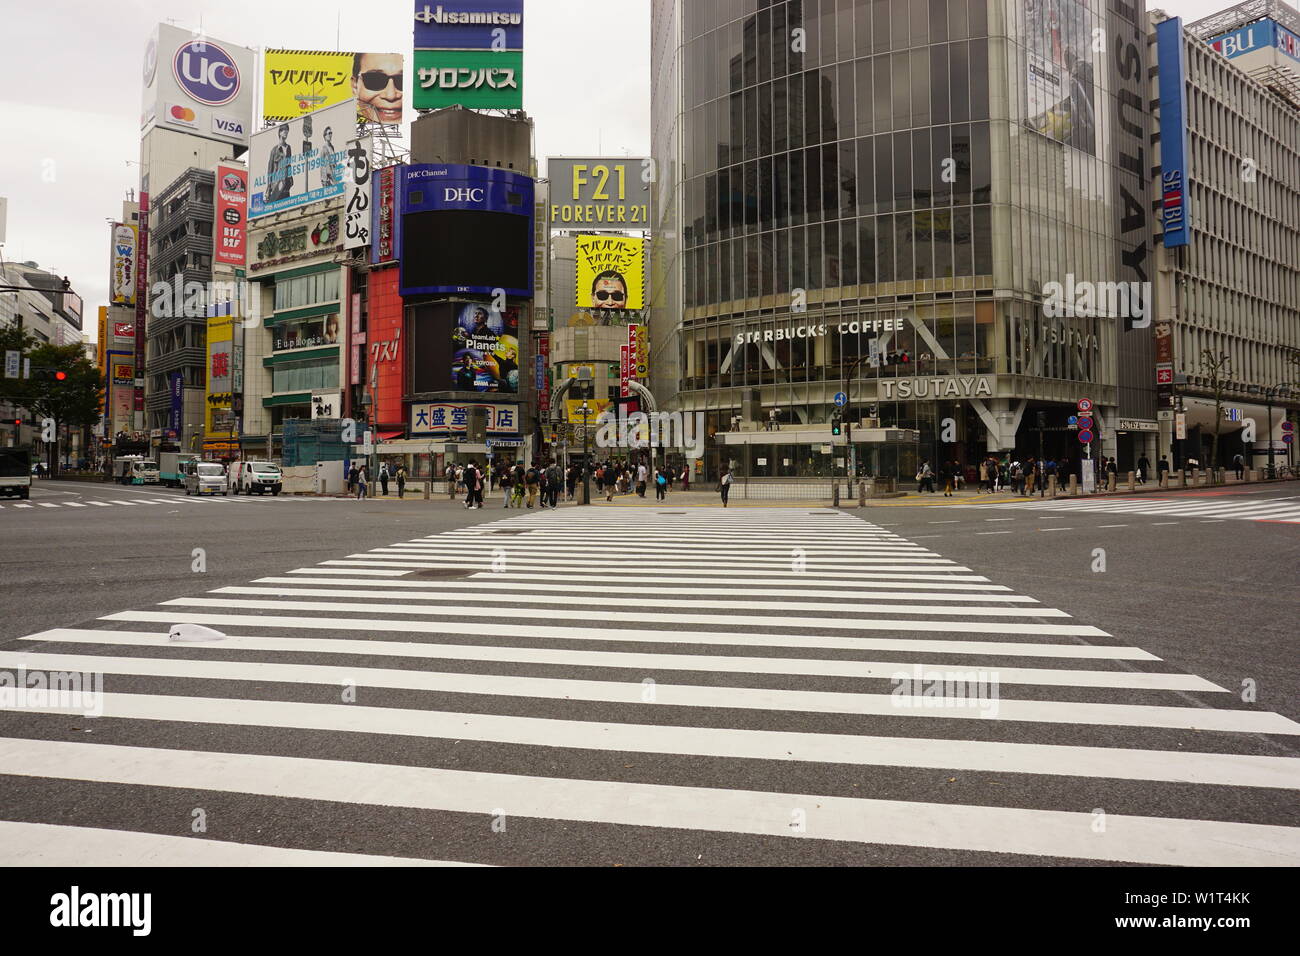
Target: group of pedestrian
358 478
618 476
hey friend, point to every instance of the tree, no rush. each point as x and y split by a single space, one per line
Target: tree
17 339
1217 367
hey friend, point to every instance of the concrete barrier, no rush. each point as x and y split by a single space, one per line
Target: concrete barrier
1074 484
1132 480
1051 485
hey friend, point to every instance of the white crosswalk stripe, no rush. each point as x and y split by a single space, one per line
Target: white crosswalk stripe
200 501
754 676
1202 505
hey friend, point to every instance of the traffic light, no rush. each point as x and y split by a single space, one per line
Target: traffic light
835 424
60 376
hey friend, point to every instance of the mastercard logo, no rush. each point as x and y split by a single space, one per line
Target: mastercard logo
183 113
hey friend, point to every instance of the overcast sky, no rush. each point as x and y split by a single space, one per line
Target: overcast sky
70 106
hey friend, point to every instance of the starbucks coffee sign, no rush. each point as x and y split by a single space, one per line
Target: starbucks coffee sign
937 387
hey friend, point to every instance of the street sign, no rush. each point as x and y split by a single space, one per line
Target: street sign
1085 436
841 399
1072 420
1165 373
13 362
1288 438
1085 422
1084 405
1288 426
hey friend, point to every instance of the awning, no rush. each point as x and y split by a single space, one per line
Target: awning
389 436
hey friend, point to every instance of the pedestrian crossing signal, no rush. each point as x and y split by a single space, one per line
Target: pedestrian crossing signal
835 424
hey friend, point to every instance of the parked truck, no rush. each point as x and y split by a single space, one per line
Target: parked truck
171 467
16 472
135 470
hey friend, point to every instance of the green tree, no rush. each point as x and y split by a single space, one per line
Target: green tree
74 401
14 338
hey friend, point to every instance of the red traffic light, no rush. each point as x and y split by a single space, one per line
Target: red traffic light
60 376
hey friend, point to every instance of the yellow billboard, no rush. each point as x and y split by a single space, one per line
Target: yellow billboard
611 273
573 408
219 415
296 82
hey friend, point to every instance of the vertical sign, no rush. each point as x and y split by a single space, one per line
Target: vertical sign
625 372
384 227
543 364
358 339
141 303
124 263
232 211
356 194
1173 132
176 387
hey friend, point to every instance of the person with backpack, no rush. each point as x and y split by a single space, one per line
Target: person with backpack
517 484
554 484
531 481
925 478
724 486
383 478
352 479
1017 476
661 485
473 479
401 481
1031 475
1239 465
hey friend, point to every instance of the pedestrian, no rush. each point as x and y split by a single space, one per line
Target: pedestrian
1112 474
641 474
383 478
532 479
401 480
925 478
352 478
724 486
571 483
1144 469
1031 476
1017 478
1162 468
554 484
946 473
1239 464
517 480
686 478
661 485
473 481
609 482
361 482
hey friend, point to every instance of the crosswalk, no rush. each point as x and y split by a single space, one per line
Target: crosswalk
727 686
1204 505
196 500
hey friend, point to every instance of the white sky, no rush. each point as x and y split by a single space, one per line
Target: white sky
70 106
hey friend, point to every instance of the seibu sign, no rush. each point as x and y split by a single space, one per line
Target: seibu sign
956 386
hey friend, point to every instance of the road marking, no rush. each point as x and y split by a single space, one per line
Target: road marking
47 844
1105 526
1156 524
118 502
999 519
949 521
994 532
1055 529
22 506
1214 521
101 504
45 504
676 636
639 661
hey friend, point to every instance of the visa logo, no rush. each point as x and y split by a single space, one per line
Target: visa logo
231 127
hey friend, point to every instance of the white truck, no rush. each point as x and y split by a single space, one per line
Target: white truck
247 477
171 467
135 470
16 472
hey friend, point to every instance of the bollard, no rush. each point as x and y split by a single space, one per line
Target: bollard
1132 481
1074 484
451 489
835 493
324 487
428 486
1051 485
862 494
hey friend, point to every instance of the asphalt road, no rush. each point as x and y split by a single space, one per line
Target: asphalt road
411 681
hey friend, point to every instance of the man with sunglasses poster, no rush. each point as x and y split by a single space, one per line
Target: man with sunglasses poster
377 85
609 291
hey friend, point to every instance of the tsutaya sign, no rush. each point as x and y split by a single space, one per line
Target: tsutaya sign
814 330
956 386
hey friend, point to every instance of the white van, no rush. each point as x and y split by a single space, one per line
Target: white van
202 477
247 477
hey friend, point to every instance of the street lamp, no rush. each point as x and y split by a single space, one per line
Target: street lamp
586 470
1269 393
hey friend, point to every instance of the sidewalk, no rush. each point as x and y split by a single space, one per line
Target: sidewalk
968 497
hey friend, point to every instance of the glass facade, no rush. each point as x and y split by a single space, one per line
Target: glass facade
903 176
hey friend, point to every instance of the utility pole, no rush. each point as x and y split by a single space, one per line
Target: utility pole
586 471
1219 367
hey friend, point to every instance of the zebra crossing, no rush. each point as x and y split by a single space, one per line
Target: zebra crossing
1212 505
199 500
590 687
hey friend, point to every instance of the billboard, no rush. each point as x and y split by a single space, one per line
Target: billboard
599 193
1060 88
296 82
300 161
198 85
434 418
124 264
356 194
469 25
385 223
476 79
1173 133
218 412
465 229
485 350
611 273
231 229
1260 35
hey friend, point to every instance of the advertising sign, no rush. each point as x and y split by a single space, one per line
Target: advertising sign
1173 132
1260 35
602 193
385 224
611 273
141 299
485 350
295 82
198 85
1060 92
123 373
356 194
543 376
316 237
124 264
469 25
448 417
230 229
300 161
625 371
476 79
573 409
218 414
176 390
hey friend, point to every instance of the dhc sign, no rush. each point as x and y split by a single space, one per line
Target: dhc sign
1173 133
